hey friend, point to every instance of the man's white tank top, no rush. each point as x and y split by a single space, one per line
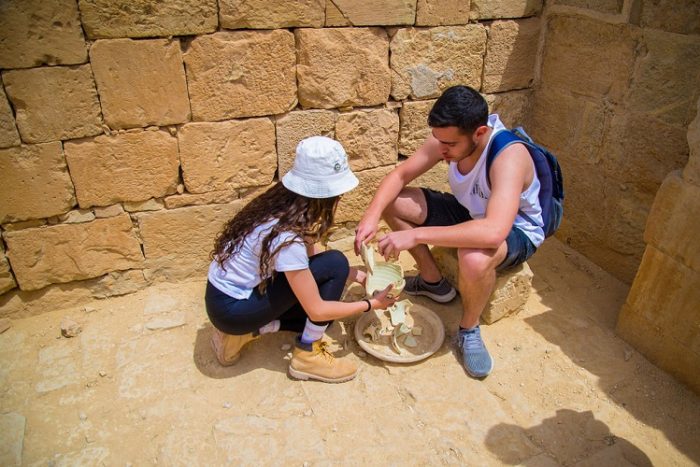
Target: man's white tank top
473 192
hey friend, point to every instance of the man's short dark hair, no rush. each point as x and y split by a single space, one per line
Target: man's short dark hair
459 106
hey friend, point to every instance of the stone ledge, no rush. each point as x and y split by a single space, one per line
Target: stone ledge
510 294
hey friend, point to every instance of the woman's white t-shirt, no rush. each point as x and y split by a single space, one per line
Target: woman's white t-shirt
241 272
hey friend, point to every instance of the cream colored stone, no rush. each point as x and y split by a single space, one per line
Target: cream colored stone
435 179
510 293
673 221
370 137
513 107
343 67
108 211
23 225
37 32
425 62
668 59
414 125
241 74
661 318
141 82
354 204
225 155
691 173
148 205
111 169
210 197
148 18
116 283
677 16
295 126
510 55
77 216
495 9
266 14
34 182
442 12
601 6
334 17
573 60
8 131
166 253
7 280
381 13
54 103
65 253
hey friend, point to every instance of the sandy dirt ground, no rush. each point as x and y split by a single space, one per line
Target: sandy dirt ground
140 386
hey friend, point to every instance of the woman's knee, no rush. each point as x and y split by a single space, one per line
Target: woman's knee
334 262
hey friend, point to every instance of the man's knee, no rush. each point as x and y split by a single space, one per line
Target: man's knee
409 205
475 264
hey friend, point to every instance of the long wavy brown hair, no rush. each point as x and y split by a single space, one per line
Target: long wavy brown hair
309 218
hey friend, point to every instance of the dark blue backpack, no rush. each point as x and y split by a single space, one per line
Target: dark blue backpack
548 172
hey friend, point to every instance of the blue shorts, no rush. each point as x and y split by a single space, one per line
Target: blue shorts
444 209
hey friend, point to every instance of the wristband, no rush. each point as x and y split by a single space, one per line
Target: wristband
369 305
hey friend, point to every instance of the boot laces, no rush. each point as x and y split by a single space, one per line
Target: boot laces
322 350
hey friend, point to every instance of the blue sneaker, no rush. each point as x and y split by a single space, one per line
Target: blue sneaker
476 358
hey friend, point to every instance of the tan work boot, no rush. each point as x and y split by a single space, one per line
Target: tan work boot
318 363
227 347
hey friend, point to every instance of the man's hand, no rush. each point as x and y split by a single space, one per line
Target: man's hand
393 243
366 230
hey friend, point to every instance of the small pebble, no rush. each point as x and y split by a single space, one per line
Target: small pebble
70 328
103 373
82 416
628 354
227 405
286 347
361 354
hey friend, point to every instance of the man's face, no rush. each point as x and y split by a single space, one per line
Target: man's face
454 144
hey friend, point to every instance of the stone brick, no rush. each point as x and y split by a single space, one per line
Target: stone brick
34 182
226 155
295 126
23 225
370 137
167 256
673 221
108 211
424 62
343 67
572 41
8 130
132 166
678 16
381 13
601 6
54 103
510 55
691 173
210 197
513 108
495 9
354 204
7 280
334 17
77 216
442 12
266 14
241 74
414 125
36 32
148 205
148 18
510 293
661 318
435 178
69 252
141 82
669 59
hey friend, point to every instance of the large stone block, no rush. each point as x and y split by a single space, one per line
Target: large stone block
132 166
8 130
148 18
424 62
691 173
334 17
513 108
54 103
34 182
241 74
295 126
442 12
573 60
414 125
677 16
673 221
353 205
613 7
435 179
495 9
343 67
510 55
65 253
141 82
37 32
7 280
381 13
370 137
266 14
227 155
668 59
661 318
510 293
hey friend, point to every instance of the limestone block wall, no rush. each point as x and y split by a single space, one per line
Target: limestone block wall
617 89
661 316
130 131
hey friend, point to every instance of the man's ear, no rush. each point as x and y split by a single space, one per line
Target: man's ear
480 131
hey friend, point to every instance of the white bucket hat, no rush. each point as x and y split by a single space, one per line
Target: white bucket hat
320 169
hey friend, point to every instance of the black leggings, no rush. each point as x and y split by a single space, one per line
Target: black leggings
241 316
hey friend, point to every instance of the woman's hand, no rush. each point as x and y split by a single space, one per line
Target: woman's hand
357 275
381 299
